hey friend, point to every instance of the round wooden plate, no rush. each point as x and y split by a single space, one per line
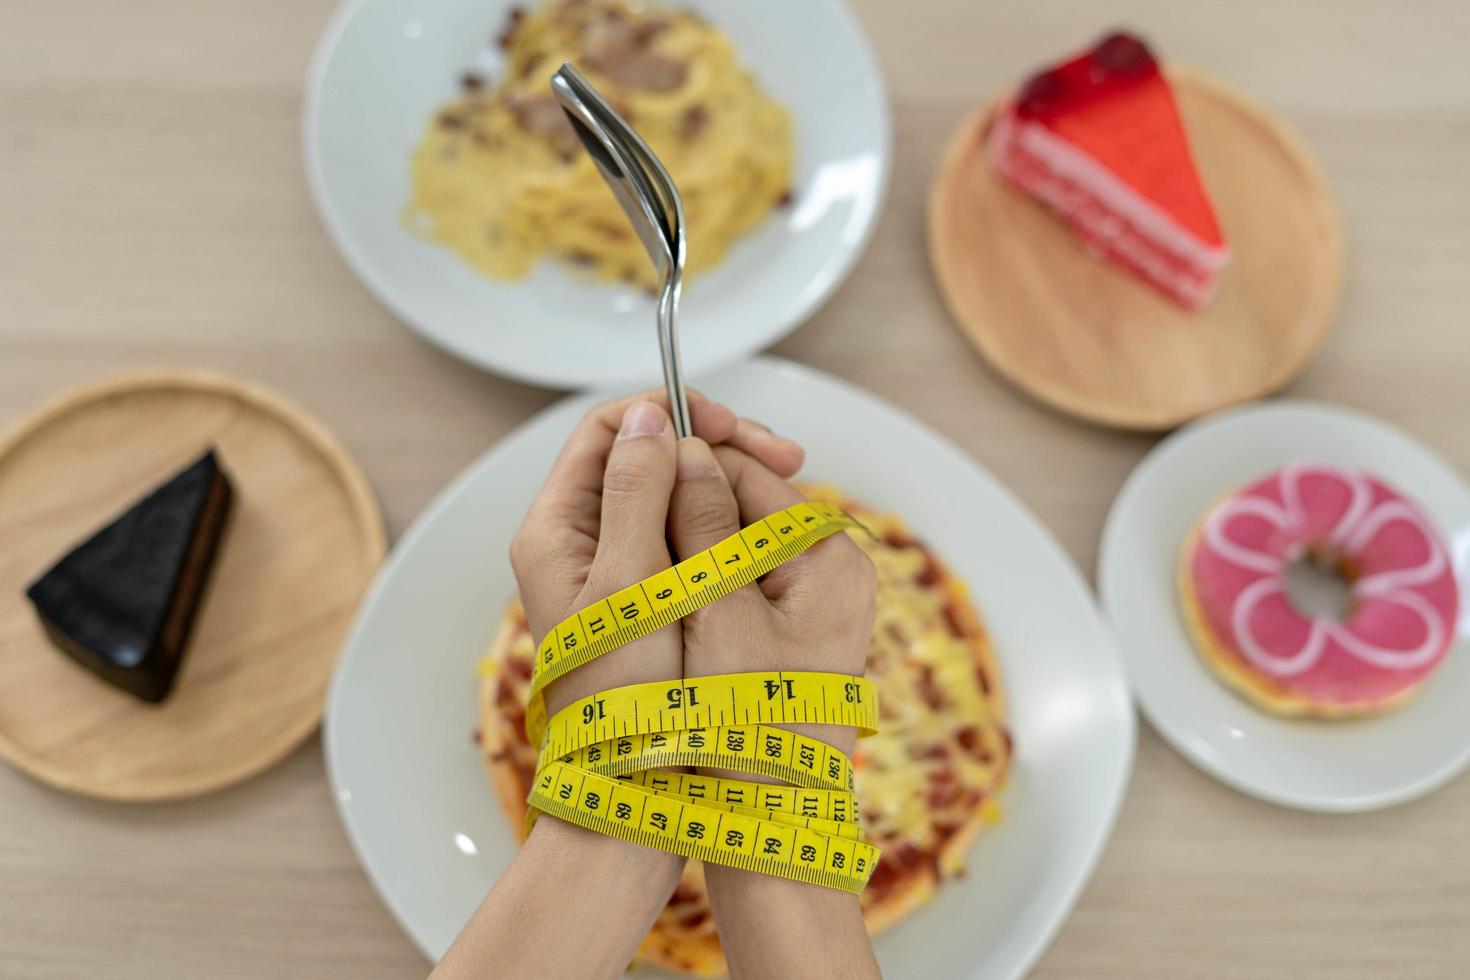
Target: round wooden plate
303 541
1093 340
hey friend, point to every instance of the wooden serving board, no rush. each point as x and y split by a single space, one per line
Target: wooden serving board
302 543
1091 339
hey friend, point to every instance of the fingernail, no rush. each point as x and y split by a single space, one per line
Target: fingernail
642 419
695 460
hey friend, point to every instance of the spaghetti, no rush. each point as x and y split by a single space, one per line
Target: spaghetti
500 178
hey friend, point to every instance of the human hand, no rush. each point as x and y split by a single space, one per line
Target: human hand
814 612
598 525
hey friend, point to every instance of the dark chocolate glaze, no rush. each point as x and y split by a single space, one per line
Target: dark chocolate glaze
122 602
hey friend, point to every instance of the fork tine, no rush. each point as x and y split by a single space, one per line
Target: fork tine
650 198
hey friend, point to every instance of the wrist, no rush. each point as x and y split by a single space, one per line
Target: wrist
557 840
822 932
572 903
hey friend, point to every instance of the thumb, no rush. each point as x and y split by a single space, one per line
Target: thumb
702 513
635 498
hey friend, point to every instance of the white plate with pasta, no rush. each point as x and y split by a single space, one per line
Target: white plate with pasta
444 175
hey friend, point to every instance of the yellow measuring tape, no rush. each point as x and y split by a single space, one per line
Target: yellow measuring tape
603 758
676 592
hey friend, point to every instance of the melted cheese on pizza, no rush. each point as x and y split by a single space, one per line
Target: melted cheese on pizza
941 747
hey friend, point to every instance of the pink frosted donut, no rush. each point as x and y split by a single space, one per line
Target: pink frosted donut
1404 597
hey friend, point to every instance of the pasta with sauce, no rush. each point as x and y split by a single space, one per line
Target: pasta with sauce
500 178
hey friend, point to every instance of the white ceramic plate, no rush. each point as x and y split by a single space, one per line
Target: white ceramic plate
1330 766
381 68
410 783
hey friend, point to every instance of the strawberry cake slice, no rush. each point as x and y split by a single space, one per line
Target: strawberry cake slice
1099 140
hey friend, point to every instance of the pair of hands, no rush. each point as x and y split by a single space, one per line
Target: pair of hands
625 499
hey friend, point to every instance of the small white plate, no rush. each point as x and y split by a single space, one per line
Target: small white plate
383 66
412 788
1339 767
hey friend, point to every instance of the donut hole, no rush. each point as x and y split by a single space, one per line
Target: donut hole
1319 584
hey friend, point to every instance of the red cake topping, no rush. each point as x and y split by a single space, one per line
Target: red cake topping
1124 54
1099 139
1119 62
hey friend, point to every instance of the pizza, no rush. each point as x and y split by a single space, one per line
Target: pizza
926 783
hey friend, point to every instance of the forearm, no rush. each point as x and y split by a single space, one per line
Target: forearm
572 903
774 927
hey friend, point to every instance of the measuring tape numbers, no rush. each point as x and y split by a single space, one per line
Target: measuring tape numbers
675 592
606 760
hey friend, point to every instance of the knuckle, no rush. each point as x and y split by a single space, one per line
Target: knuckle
703 514
626 477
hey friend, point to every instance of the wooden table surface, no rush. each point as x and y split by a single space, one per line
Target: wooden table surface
153 212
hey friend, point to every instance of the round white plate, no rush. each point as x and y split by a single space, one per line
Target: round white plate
412 789
383 66
1340 766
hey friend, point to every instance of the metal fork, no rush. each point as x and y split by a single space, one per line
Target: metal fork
647 193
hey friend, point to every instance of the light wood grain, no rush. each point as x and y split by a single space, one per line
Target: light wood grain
1093 340
155 212
303 539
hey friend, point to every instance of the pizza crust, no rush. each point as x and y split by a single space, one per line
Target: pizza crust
953 850
497 736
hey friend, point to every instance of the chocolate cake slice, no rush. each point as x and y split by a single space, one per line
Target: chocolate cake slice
121 603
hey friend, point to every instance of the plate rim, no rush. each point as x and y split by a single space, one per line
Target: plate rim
803 305
1102 830
1183 739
